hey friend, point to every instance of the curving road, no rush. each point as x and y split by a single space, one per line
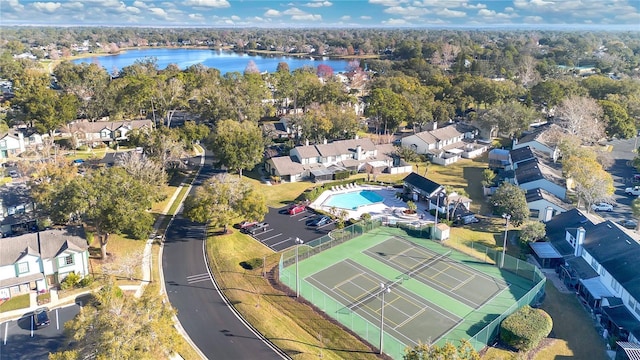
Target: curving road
212 325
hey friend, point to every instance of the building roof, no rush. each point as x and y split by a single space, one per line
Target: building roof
534 169
284 165
544 250
581 268
422 183
97 126
521 154
52 243
546 135
632 350
537 194
621 317
559 224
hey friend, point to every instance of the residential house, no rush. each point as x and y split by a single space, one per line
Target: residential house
499 159
17 213
445 145
600 262
543 138
103 132
420 188
37 261
321 161
532 174
544 205
11 145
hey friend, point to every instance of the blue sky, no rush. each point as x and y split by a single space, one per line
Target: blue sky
620 14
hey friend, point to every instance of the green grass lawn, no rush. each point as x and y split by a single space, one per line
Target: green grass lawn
15 303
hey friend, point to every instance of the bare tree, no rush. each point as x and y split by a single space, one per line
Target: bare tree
527 72
126 267
142 168
581 116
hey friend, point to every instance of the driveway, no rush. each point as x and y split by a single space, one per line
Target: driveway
284 228
20 341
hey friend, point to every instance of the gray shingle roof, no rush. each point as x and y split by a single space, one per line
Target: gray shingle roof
97 126
52 243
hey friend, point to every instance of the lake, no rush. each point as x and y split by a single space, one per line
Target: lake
222 60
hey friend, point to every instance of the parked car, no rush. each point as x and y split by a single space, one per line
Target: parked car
259 227
246 224
41 318
14 174
629 223
320 220
296 209
634 190
602 207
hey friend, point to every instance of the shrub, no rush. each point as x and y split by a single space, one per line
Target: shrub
252 264
525 328
86 281
70 281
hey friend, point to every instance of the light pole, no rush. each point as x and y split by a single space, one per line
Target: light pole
298 242
384 289
504 245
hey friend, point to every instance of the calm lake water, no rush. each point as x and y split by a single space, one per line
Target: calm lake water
221 60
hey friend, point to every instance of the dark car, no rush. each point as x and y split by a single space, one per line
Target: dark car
629 224
259 227
41 318
320 220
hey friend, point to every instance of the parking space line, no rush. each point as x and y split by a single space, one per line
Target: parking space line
269 238
261 232
6 330
32 320
57 321
300 213
306 217
283 241
325 225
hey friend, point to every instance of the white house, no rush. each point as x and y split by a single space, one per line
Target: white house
16 210
319 162
543 205
92 133
445 145
37 261
600 262
11 145
543 139
534 174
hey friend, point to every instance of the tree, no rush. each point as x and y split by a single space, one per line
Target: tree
237 145
119 326
448 351
591 182
532 231
488 176
525 328
511 118
224 198
108 199
581 116
510 199
619 124
388 109
143 169
324 71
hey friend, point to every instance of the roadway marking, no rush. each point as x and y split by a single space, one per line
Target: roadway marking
57 321
307 217
6 330
278 243
271 237
198 278
32 320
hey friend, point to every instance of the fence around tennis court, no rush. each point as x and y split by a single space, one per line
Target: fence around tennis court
371 332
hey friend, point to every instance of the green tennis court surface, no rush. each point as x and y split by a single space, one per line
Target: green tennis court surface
436 294
438 271
407 316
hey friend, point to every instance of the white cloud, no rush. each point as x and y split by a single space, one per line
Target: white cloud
159 12
365 17
532 19
139 4
451 13
345 18
272 13
73 6
486 12
47 6
318 3
393 21
235 17
208 3
409 10
196 17
307 17
294 11
387 2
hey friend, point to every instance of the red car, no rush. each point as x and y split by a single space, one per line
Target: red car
297 209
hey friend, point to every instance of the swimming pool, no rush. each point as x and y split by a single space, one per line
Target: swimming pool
353 200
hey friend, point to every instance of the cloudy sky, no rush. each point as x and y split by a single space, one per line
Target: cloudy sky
621 14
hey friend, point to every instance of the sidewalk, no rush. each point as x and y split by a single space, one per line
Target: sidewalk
55 301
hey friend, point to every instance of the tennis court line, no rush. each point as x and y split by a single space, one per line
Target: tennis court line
346 281
414 300
463 283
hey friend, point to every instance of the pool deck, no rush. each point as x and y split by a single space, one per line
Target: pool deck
388 209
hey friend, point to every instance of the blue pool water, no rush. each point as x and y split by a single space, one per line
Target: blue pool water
353 200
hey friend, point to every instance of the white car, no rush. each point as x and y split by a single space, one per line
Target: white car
602 207
635 191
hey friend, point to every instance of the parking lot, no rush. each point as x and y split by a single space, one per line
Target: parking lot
19 340
284 228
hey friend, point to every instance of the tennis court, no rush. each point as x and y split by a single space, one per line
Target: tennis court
453 278
407 316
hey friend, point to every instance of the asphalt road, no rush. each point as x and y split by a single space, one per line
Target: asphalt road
621 154
19 341
212 325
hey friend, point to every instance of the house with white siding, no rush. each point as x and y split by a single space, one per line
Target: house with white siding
600 262
38 261
445 145
543 139
11 145
93 133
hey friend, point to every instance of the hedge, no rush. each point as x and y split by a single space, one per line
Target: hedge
525 328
